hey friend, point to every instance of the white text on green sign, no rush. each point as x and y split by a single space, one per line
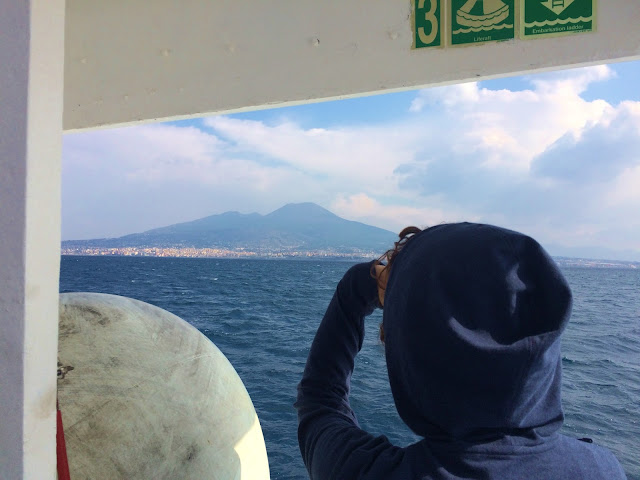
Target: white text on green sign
475 21
557 17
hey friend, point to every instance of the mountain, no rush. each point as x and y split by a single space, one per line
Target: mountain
295 227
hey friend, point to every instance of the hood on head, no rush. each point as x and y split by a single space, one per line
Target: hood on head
472 319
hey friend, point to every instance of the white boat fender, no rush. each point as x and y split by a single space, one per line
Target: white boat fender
146 395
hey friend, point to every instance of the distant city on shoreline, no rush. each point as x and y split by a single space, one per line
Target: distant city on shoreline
294 231
219 253
190 252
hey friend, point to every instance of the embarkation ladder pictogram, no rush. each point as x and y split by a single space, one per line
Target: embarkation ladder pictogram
557 6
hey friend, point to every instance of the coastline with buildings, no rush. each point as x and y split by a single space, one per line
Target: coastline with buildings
327 254
294 231
190 252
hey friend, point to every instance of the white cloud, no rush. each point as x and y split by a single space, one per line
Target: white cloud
506 129
362 155
138 178
543 160
572 82
394 217
625 191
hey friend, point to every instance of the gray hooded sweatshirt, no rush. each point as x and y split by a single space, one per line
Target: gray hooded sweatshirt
472 316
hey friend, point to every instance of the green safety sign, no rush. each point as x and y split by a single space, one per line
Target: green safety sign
476 21
428 23
557 17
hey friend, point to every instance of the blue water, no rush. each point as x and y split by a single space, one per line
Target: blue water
263 315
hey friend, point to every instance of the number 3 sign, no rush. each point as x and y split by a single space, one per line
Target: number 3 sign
428 23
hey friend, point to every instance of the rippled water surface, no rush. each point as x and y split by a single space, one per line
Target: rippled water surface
263 314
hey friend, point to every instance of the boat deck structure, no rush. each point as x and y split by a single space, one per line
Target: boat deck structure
74 65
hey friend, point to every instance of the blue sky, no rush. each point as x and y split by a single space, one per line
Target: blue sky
554 155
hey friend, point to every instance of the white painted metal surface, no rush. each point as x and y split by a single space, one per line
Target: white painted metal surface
136 61
31 68
145 396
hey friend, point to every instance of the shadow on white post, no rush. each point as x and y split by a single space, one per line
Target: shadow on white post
31 90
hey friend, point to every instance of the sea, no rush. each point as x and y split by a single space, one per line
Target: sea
263 315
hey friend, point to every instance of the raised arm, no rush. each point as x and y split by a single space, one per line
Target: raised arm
332 444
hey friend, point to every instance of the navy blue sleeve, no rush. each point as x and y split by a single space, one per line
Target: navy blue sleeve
331 442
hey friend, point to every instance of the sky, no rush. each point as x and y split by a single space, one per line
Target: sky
553 155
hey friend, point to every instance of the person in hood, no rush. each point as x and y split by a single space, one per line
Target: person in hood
472 320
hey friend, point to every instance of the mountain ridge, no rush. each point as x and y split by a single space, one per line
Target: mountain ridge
300 227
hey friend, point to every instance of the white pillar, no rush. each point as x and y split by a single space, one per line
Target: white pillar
31 86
